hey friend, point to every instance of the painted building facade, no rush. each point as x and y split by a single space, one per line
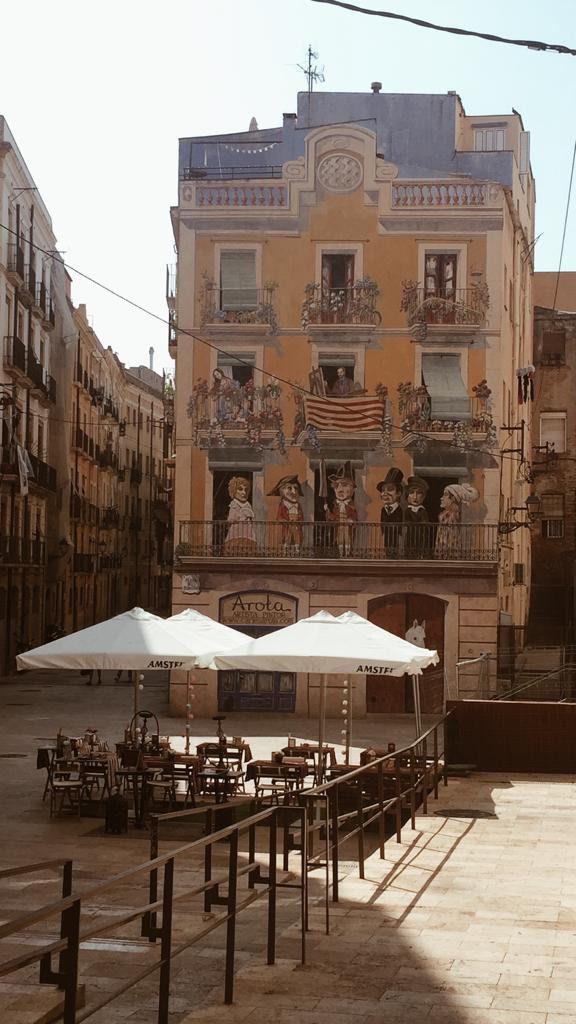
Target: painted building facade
349 310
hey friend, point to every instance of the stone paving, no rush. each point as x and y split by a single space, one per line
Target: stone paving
470 920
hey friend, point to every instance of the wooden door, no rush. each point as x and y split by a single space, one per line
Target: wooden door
398 613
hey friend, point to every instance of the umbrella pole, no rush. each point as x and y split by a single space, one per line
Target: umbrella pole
417 712
136 678
321 724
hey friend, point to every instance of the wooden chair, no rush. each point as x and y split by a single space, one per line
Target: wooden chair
95 773
163 784
45 759
66 784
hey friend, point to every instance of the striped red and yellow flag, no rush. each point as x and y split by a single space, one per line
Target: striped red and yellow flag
362 413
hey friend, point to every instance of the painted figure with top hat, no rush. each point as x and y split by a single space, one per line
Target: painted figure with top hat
289 513
342 510
392 513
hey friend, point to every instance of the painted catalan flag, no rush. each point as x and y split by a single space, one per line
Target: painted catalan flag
362 413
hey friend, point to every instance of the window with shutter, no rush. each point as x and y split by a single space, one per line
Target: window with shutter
553 430
552 515
440 275
442 375
489 139
238 279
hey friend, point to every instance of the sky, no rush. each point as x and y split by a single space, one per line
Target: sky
98 94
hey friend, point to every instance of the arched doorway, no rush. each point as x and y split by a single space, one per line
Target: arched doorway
398 613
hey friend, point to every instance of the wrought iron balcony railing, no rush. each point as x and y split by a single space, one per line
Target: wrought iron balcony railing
15 355
241 413
44 475
22 550
354 304
15 264
238 305
35 369
456 306
469 542
417 414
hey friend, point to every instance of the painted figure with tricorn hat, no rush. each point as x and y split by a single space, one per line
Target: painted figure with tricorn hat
392 513
416 537
289 513
341 510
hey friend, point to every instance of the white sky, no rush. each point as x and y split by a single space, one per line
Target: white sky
97 95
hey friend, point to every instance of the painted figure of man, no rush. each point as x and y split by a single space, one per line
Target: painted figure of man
391 514
289 513
417 540
342 511
343 385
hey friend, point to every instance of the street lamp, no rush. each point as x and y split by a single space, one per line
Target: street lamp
531 510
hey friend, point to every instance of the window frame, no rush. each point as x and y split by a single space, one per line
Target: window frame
553 526
226 247
547 416
483 132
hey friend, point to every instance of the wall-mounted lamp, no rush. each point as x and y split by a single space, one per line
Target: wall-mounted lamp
531 509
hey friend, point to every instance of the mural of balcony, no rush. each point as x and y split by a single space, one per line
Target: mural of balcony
320 541
353 304
456 307
417 416
238 306
227 413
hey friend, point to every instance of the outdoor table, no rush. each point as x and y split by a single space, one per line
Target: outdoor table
211 748
138 777
105 757
292 775
221 778
311 751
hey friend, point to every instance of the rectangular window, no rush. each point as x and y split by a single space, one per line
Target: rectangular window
238 279
553 348
552 515
440 275
553 430
338 373
489 139
442 375
239 368
337 271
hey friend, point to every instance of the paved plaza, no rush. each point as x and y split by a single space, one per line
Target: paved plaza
470 920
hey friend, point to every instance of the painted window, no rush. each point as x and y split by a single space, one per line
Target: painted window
442 375
238 279
238 367
338 372
440 271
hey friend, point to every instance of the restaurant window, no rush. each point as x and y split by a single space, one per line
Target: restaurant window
553 430
553 348
440 275
238 279
552 516
489 139
442 375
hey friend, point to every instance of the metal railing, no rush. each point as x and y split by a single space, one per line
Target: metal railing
468 542
354 304
232 173
35 369
22 550
157 914
558 686
237 305
15 354
15 263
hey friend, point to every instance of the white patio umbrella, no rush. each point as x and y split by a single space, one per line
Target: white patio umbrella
343 644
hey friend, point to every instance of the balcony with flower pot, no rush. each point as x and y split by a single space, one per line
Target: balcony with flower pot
334 311
238 310
227 413
446 311
418 417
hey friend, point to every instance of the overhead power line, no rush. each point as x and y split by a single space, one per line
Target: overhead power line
565 226
530 44
300 388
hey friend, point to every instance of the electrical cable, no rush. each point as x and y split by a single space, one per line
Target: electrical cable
531 44
565 226
301 389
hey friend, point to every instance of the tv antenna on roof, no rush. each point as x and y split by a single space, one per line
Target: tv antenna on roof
312 72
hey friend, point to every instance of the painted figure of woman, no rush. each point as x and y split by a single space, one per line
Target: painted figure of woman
449 534
240 538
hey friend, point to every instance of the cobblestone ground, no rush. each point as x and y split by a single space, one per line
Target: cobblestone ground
470 920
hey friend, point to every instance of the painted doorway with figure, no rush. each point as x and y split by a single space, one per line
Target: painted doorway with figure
422 618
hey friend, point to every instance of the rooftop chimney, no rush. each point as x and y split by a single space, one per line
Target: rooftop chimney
376 86
151 354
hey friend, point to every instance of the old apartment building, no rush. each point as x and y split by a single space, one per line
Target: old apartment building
85 492
351 318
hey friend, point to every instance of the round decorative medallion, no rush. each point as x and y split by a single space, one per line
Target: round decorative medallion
340 172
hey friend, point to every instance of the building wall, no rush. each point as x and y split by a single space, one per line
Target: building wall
357 190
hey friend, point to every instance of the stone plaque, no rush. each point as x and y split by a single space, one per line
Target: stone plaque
191 584
258 608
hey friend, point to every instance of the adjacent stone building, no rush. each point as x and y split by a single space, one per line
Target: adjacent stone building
552 609
349 313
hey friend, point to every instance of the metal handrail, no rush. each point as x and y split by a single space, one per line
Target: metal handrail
534 682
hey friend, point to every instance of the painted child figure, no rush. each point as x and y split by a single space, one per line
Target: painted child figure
417 540
392 513
342 510
289 513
